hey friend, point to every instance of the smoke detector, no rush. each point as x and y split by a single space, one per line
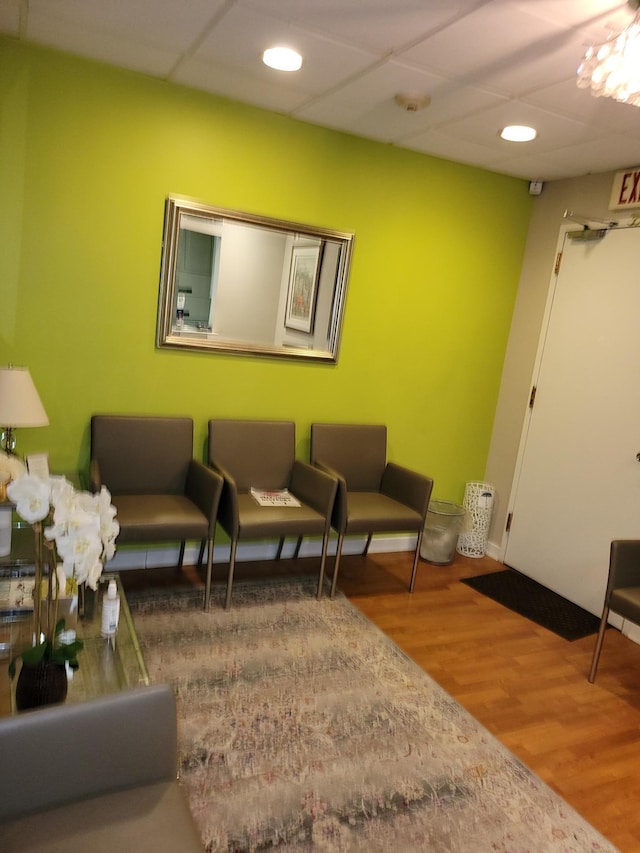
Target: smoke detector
412 103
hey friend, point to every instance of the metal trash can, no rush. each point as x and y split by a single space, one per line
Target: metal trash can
478 500
441 531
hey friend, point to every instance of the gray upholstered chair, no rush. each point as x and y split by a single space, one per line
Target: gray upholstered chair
96 776
623 591
373 495
160 492
261 454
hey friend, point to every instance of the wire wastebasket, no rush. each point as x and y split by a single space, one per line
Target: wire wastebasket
478 501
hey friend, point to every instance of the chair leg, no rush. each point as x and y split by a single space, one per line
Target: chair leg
280 547
296 553
207 587
336 566
181 554
203 545
232 565
598 646
323 561
366 547
416 557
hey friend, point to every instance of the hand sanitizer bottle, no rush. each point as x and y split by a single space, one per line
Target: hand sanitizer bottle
110 610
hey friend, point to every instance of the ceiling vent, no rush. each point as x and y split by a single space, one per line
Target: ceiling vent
412 103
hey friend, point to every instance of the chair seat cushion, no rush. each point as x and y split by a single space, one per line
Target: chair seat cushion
150 819
368 512
274 521
626 602
147 518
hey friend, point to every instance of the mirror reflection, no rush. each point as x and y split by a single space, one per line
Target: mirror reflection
244 283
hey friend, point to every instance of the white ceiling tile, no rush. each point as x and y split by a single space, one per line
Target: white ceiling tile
454 102
601 155
242 36
567 99
493 36
381 83
440 144
367 104
382 25
103 46
385 120
220 80
597 18
484 63
553 130
154 22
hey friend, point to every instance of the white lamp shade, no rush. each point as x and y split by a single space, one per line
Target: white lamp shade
20 405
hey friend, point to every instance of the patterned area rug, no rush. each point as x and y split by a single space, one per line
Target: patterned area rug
304 728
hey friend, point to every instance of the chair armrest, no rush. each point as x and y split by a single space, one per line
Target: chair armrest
70 752
228 512
95 479
339 514
314 487
204 487
625 559
407 487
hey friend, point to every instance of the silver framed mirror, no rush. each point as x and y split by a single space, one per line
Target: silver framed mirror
243 283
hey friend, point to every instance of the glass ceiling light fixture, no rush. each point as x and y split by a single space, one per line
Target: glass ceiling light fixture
612 69
282 59
20 405
518 133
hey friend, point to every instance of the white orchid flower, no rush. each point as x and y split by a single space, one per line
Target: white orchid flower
83 529
31 495
11 467
80 549
93 574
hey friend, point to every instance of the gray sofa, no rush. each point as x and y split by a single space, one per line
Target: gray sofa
96 776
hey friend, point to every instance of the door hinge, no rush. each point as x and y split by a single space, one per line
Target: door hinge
532 398
509 520
558 262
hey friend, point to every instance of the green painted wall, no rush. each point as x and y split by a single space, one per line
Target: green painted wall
88 155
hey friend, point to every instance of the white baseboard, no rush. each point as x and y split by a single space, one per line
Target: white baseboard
137 558
494 551
630 630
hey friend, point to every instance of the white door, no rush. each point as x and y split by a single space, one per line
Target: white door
579 482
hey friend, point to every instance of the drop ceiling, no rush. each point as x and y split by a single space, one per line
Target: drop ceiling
483 63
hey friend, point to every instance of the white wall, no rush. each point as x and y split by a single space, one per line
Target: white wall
248 284
589 197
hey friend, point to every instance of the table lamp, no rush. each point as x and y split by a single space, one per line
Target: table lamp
20 405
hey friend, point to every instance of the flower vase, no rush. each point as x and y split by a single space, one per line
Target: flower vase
43 684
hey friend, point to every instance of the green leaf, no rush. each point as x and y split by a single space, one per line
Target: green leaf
35 655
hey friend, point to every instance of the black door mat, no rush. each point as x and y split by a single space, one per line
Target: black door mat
534 601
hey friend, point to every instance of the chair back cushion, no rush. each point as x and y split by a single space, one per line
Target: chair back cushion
255 453
63 753
356 451
141 455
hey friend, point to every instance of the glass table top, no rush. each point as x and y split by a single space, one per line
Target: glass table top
105 665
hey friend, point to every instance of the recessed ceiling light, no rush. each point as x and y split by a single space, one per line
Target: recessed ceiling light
282 59
518 133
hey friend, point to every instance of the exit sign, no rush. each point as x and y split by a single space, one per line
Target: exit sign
625 192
